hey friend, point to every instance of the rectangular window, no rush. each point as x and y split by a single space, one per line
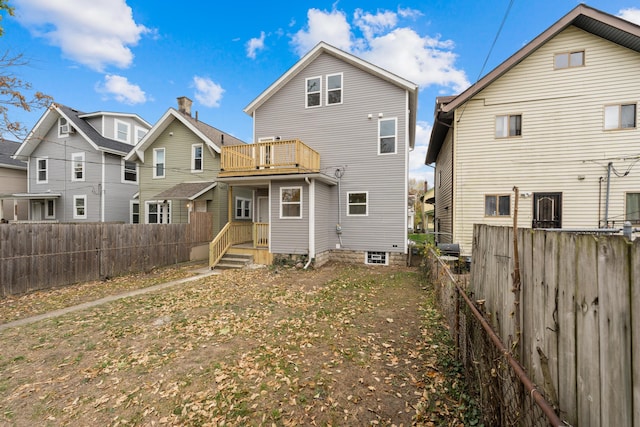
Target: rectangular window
569 59
80 207
376 258
508 126
140 133
196 158
43 170
497 205
77 167
135 212
291 202
313 88
334 89
64 128
50 209
243 208
129 171
357 204
122 131
620 116
158 162
158 212
387 136
632 208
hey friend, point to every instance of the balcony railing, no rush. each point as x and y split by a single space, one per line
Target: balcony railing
234 233
269 158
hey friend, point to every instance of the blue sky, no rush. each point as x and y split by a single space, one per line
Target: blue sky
138 56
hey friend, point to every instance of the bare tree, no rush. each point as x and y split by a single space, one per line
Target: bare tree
15 92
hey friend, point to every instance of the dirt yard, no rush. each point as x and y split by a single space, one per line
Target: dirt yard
340 345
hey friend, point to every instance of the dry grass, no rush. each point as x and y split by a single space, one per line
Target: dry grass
341 345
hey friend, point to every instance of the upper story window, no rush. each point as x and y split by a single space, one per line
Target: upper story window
122 130
158 162
129 171
568 59
387 136
77 167
42 165
632 208
497 205
243 208
80 207
313 91
140 133
334 89
357 203
196 158
508 125
64 128
620 116
291 202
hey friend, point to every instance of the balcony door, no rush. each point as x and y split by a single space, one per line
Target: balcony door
547 210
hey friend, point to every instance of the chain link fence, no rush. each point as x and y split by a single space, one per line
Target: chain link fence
506 396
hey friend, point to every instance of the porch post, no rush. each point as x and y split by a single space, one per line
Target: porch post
229 203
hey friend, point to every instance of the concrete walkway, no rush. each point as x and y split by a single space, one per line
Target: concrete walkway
200 273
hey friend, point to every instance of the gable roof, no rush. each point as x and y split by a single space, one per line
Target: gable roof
82 127
214 138
8 149
323 47
593 21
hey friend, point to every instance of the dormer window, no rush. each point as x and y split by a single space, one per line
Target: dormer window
64 128
569 59
313 91
122 131
334 89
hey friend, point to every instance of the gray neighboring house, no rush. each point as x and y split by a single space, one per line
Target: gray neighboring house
76 168
328 168
13 179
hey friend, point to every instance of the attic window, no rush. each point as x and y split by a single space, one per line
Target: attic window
313 90
122 131
568 60
334 89
64 128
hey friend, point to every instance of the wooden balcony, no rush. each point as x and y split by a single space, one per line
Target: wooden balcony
269 158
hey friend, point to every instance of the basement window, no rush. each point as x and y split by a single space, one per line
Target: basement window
376 258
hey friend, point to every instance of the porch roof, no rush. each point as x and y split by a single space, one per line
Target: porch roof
264 179
186 190
31 196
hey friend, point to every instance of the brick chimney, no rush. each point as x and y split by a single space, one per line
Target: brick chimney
184 105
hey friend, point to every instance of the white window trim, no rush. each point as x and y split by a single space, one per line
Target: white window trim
137 131
60 125
122 175
235 208
193 158
366 204
395 135
46 170
116 122
386 258
46 209
306 92
156 202
131 204
291 203
329 90
74 157
155 163
75 208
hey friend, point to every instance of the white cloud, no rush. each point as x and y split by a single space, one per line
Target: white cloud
254 45
208 93
381 40
97 34
330 27
417 168
121 89
632 14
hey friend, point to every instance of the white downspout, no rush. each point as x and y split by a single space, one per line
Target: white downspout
312 221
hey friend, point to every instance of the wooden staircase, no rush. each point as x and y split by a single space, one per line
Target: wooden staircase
230 261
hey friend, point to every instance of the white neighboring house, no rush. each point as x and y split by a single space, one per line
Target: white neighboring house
76 170
558 120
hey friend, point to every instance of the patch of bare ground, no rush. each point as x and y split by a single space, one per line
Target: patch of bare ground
339 345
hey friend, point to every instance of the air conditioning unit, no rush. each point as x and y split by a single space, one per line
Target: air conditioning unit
66 128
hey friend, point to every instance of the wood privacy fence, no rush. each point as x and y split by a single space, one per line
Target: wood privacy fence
579 305
43 256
